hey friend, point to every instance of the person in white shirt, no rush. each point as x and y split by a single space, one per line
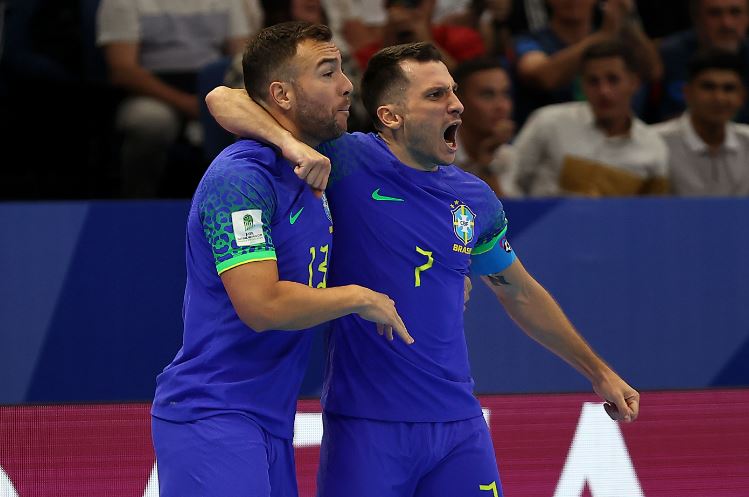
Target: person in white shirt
484 150
598 147
709 154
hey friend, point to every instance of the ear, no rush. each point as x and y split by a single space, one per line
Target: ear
388 117
282 94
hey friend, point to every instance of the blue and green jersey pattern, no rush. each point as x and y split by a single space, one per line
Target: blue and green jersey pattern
248 207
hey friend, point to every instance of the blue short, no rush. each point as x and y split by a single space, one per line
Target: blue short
223 455
369 458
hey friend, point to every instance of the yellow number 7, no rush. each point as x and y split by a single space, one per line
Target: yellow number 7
423 267
492 486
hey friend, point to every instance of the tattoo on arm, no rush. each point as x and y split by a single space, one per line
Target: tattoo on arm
498 279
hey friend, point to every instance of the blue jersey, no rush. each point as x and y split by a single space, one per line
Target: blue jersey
410 234
249 206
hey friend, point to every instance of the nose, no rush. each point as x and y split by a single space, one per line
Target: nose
348 87
455 106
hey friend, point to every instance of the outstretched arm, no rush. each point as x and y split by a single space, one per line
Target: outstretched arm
539 315
236 112
263 302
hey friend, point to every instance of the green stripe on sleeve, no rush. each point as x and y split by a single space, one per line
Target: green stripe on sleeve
486 247
262 255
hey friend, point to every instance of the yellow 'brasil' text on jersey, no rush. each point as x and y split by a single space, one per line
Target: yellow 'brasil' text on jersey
412 235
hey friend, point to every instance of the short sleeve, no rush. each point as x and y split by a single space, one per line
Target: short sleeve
492 252
526 44
235 213
241 17
117 20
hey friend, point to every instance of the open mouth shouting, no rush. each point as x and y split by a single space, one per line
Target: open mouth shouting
450 136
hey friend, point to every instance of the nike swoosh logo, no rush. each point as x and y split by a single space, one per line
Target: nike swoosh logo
376 196
293 217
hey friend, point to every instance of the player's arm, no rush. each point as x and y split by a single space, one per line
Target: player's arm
539 315
236 112
125 71
263 302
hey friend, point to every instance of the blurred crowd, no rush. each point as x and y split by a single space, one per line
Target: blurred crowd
105 98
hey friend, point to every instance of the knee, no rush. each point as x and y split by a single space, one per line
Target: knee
148 119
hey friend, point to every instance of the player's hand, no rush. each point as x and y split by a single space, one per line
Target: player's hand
380 309
309 164
467 287
622 401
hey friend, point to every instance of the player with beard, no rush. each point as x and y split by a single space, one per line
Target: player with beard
403 421
258 245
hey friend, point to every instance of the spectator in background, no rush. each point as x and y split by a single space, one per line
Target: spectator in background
499 20
491 19
484 89
596 148
410 21
361 21
548 61
709 155
717 24
154 51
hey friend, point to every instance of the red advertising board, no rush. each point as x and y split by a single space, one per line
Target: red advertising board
685 444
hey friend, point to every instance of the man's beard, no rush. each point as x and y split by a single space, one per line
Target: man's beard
314 119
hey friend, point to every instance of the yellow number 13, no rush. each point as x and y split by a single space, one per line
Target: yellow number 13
321 268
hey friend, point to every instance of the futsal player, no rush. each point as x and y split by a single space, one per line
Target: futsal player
403 421
258 248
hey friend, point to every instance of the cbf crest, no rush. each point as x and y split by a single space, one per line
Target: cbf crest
464 221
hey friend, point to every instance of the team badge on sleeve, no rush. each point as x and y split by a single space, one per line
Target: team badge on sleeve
463 222
248 227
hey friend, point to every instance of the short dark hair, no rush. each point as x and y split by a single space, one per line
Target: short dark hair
267 54
470 67
694 7
384 73
610 48
714 58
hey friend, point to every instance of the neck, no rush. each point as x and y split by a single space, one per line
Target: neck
287 123
615 126
401 152
713 134
571 31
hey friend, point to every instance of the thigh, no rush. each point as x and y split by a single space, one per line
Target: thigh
217 456
364 458
282 468
468 470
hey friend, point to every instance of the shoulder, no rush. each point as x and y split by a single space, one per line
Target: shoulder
535 41
561 114
242 165
741 132
250 149
468 184
348 142
676 49
740 129
649 142
668 128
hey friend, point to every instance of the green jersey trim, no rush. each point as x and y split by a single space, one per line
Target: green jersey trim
261 255
486 247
